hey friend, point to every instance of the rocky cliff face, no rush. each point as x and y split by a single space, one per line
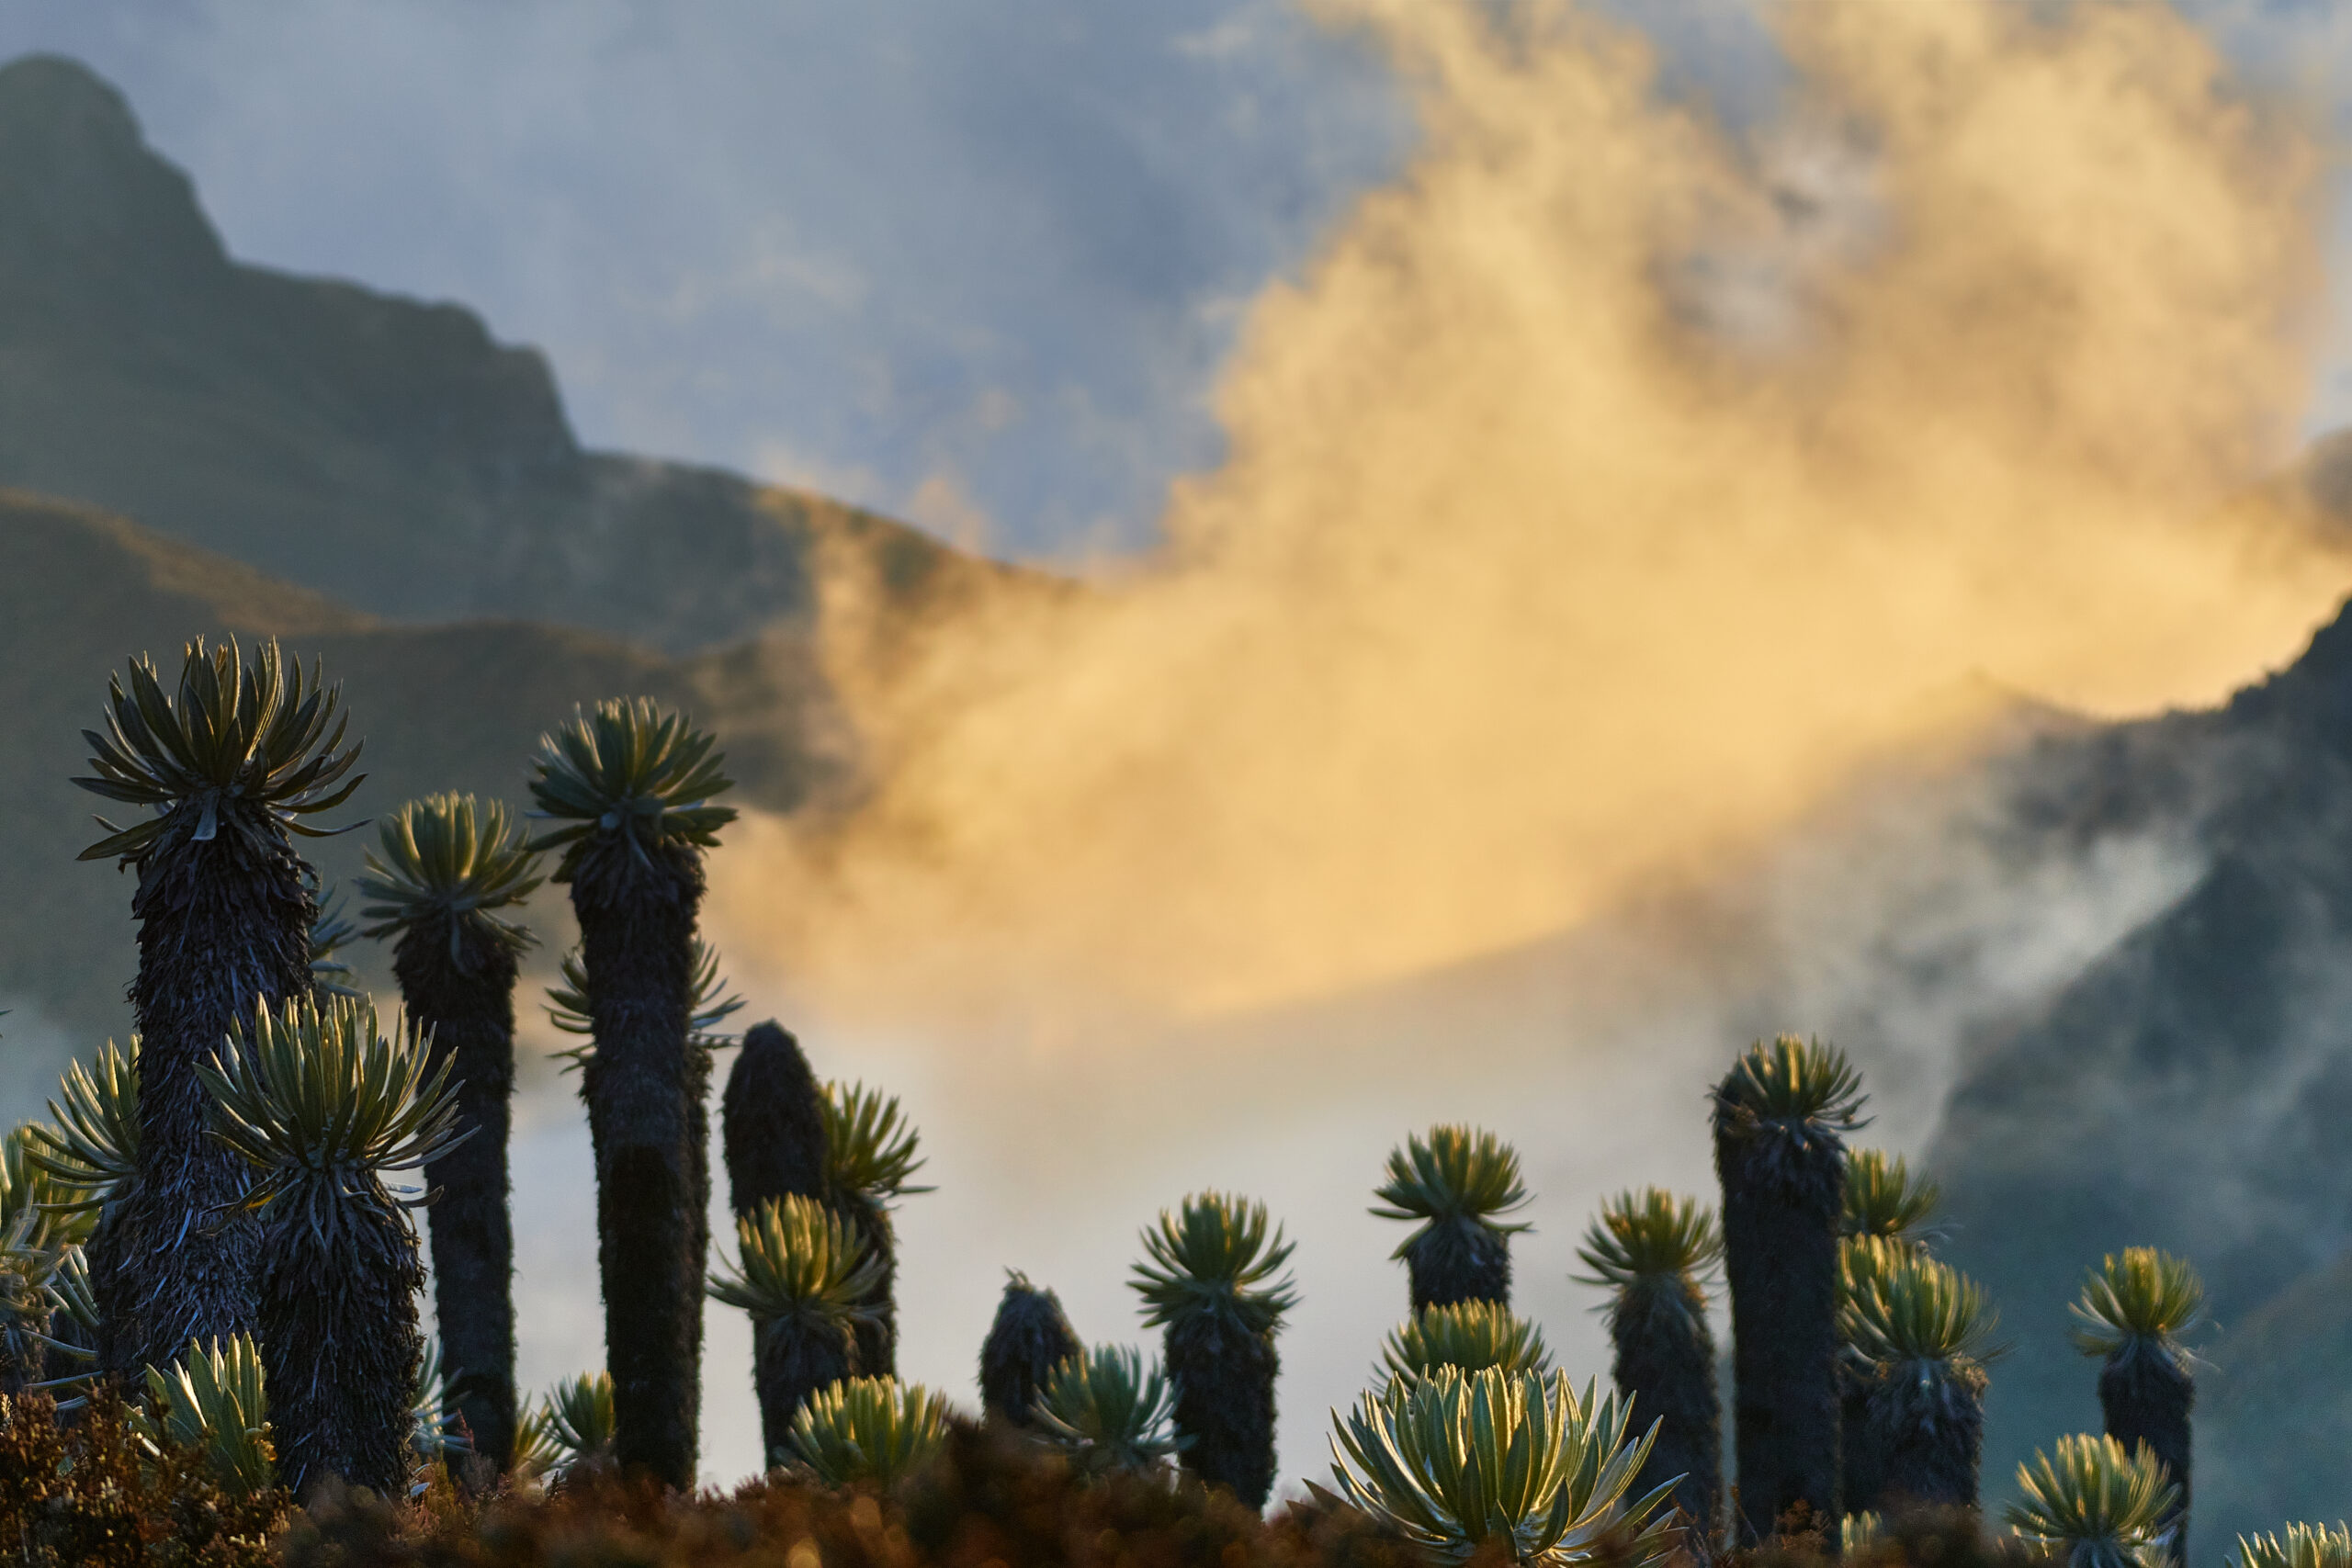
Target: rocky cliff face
383 450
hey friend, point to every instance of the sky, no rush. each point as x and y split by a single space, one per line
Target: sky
974 266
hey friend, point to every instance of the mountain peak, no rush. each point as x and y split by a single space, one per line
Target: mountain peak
77 176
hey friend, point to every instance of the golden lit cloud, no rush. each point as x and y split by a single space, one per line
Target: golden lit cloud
1608 486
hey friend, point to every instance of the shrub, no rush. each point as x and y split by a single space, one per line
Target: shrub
96 1493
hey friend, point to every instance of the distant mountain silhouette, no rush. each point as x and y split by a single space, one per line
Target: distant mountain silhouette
440 707
2191 1090
380 450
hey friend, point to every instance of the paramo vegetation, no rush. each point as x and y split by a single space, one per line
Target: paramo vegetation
213 1347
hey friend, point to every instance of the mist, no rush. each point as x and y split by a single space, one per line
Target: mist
1611 485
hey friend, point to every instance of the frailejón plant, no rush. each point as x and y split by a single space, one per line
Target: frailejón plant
1110 1411
1653 1251
2095 1506
1456 1181
872 1430
1781 1115
230 765
443 870
322 1105
807 1278
1462 1461
1212 1280
628 792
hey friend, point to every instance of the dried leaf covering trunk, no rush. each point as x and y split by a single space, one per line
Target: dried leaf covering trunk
1459 1262
1664 1361
1780 1261
466 997
791 1361
637 926
1225 1403
222 922
2146 1398
1930 1457
340 1344
1030 1337
772 1121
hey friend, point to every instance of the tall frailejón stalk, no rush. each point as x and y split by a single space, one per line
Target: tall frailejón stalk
445 867
631 788
869 1157
1781 1119
807 1278
230 765
1890 1216
772 1123
1030 1335
1454 1182
1923 1332
2133 1310
1653 1251
322 1105
1208 1280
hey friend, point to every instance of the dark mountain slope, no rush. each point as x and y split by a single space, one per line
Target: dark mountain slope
2191 1090
441 707
380 450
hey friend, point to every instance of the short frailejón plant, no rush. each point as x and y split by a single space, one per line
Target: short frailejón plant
214 1400
1028 1339
1781 1119
230 766
322 1105
436 1426
870 1160
1109 1412
1863 1261
629 792
871 1430
1890 1214
1456 1182
444 868
573 1428
1209 1279
807 1278
2302 1546
89 1151
1471 1335
2095 1506
1465 1462
2133 1313
41 1232
1923 1332
1653 1251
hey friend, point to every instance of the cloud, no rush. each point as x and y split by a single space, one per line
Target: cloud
1538 568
